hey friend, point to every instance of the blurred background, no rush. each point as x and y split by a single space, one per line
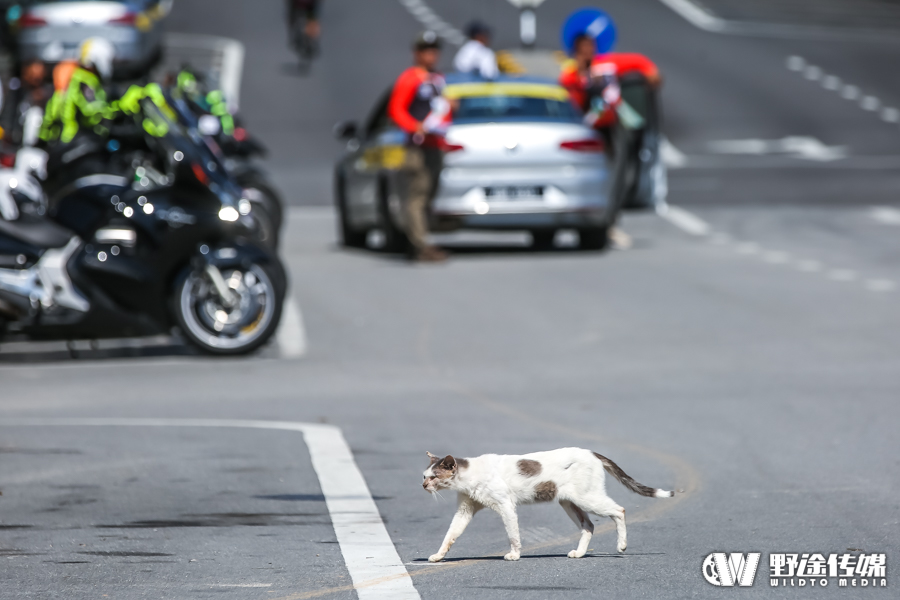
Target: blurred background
734 335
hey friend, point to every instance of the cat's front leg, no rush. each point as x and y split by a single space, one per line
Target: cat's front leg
507 512
465 510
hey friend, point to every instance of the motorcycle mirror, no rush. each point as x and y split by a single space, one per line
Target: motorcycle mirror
209 125
346 130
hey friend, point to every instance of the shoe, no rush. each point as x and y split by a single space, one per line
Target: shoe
430 254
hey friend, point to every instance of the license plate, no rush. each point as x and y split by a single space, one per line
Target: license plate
514 192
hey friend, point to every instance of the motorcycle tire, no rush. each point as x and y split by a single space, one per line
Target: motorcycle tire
217 329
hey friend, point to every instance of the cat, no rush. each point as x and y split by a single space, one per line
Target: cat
573 476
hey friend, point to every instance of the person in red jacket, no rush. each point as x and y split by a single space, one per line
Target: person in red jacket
586 79
417 107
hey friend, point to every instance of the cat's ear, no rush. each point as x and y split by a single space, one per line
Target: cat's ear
448 462
433 458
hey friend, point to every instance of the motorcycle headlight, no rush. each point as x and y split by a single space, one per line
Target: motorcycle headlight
229 213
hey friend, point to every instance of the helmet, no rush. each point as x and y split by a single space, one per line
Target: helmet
427 40
98 53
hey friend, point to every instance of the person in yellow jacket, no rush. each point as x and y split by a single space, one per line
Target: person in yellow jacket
83 103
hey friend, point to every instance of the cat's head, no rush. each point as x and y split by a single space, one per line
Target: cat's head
440 473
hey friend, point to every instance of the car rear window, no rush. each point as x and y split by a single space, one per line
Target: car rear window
489 109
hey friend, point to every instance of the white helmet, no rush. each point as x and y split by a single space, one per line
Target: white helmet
98 53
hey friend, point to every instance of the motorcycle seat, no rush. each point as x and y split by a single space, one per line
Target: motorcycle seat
36 232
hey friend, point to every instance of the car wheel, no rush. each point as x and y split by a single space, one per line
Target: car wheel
349 237
542 239
595 238
395 239
208 323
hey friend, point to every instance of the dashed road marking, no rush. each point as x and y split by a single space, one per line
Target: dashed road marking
672 157
291 336
869 103
694 225
703 19
369 553
885 215
684 220
427 17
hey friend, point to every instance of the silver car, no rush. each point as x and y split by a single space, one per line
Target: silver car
52 30
518 158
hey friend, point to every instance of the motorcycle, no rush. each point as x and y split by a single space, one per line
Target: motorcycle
237 152
174 245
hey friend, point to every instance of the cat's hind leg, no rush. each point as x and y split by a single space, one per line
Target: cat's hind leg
466 509
606 507
583 521
507 512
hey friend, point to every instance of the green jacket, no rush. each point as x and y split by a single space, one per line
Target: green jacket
83 104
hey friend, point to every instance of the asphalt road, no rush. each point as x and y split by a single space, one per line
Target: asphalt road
753 366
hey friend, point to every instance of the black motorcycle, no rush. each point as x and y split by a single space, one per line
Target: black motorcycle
238 152
172 245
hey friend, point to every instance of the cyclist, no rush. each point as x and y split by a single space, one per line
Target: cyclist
308 10
417 107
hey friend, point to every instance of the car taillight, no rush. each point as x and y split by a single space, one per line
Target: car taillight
586 145
200 174
448 147
29 20
127 19
8 160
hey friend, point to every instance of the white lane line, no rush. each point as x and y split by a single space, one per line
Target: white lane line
684 220
696 16
776 257
886 215
427 17
869 103
374 565
702 19
291 336
672 157
880 285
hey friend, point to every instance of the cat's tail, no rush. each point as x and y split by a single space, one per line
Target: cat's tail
623 478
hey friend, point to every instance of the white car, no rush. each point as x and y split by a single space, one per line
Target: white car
52 30
518 157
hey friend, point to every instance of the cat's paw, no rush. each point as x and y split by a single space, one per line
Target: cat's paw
511 556
436 558
575 554
621 546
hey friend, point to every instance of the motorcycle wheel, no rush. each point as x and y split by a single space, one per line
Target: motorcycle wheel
217 329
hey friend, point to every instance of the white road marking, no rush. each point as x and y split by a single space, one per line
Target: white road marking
291 336
803 147
672 157
880 285
703 19
886 215
684 220
427 17
696 16
374 565
747 248
869 103
890 114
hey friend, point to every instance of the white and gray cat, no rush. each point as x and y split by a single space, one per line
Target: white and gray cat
573 476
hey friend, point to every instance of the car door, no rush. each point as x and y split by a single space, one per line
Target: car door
377 152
